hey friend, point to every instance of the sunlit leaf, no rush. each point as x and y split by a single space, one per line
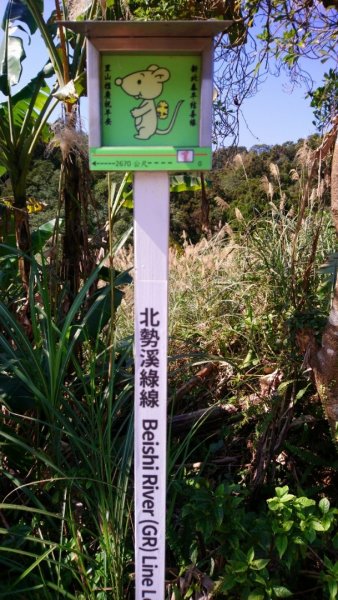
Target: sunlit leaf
40 236
256 596
21 103
259 563
10 62
6 201
281 592
324 505
186 183
67 93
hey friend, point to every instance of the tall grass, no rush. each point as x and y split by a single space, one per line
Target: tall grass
66 435
242 295
66 461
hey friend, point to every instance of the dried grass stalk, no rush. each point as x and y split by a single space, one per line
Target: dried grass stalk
76 8
68 138
274 170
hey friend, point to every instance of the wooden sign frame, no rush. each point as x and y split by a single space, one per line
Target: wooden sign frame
150 45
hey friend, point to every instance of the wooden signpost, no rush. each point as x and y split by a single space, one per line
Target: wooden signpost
150 87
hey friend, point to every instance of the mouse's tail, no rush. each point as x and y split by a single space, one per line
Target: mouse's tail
173 119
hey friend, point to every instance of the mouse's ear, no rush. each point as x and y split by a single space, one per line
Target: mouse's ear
162 74
152 68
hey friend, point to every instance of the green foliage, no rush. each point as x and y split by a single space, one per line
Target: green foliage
296 523
19 11
9 255
71 459
10 69
324 100
238 299
254 554
43 170
36 373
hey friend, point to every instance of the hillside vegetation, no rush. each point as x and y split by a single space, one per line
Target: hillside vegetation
252 466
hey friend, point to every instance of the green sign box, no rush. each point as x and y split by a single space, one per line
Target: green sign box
150 90
150 113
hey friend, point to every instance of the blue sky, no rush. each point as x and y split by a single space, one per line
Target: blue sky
276 114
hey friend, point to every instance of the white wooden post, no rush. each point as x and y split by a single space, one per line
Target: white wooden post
151 245
113 48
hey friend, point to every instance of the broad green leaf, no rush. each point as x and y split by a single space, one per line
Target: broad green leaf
10 62
324 505
250 555
284 385
287 498
256 596
281 491
328 563
287 525
310 535
24 96
259 563
80 85
99 313
301 392
17 10
281 592
48 70
186 183
120 277
327 521
333 589
259 579
40 236
304 502
238 566
274 504
298 540
317 525
36 92
128 203
281 544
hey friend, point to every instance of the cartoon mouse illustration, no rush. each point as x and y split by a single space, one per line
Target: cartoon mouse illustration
147 85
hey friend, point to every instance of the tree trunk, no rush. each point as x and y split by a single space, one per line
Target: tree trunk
22 234
75 191
205 223
72 242
334 186
324 361
326 368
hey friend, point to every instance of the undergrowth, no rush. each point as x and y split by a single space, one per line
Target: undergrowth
252 470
